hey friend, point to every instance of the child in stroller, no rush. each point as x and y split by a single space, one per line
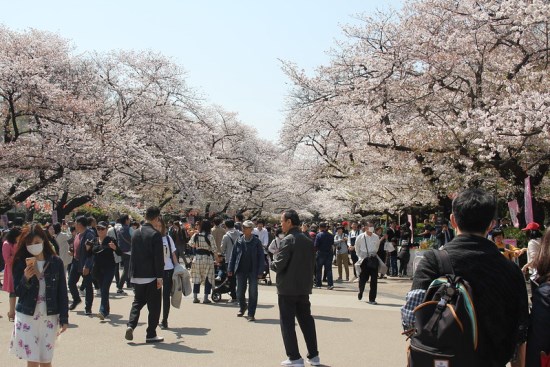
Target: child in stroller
221 284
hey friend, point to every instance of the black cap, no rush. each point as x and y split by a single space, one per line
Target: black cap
103 224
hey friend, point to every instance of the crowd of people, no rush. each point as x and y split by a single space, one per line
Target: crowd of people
45 263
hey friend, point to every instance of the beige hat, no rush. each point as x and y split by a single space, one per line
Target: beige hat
248 224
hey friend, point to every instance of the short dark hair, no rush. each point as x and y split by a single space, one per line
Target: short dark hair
91 221
293 216
474 209
239 216
152 213
123 218
260 221
230 223
217 221
12 235
57 228
82 220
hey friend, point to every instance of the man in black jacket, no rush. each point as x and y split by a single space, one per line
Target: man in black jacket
498 286
294 264
146 272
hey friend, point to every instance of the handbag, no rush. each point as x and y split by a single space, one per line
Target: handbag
372 261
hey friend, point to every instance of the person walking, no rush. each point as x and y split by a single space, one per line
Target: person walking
82 265
228 242
147 271
247 263
324 242
124 240
538 339
42 308
8 252
366 247
104 266
294 265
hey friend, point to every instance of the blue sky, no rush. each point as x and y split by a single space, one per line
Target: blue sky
230 49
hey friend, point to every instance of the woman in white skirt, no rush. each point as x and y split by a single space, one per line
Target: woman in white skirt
41 313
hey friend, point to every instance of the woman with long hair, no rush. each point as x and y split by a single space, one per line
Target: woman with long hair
539 329
8 252
202 269
42 310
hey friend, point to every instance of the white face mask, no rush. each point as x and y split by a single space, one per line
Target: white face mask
371 229
36 248
281 236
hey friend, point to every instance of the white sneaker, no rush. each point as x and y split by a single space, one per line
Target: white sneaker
315 361
294 363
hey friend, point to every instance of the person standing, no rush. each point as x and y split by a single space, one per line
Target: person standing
247 264
366 247
228 242
104 265
342 257
82 265
62 240
8 252
324 242
294 264
498 286
147 271
170 261
42 308
262 233
218 232
202 269
353 233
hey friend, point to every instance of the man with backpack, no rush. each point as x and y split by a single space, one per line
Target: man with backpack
478 316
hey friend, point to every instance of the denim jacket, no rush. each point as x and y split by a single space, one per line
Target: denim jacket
57 301
257 258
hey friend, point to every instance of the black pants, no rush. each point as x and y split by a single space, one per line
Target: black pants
297 307
354 259
367 273
124 278
166 290
146 294
74 277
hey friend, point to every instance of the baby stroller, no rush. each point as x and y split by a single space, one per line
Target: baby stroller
221 286
266 275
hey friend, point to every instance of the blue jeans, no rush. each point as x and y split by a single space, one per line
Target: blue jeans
105 278
324 259
393 263
252 279
74 277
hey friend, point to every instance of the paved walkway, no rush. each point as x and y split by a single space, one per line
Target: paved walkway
349 332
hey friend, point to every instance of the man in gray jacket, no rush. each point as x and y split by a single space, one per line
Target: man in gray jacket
229 240
294 264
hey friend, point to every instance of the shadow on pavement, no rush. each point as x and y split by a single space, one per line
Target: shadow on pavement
267 321
189 331
172 347
390 305
332 319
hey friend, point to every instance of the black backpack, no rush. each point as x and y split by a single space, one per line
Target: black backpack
445 333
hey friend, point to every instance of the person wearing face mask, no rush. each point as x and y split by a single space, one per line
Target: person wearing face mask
42 309
366 247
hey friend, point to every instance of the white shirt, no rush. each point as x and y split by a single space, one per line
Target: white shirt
169 249
262 235
366 245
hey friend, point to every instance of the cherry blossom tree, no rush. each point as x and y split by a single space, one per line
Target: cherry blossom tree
425 101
